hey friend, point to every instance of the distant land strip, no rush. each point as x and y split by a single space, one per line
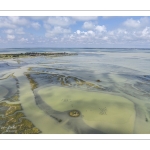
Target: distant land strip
16 55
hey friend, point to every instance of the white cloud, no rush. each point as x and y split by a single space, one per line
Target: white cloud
57 31
18 20
55 38
105 38
88 25
9 31
38 17
35 25
47 26
85 18
121 31
6 23
139 23
132 23
111 33
40 41
10 37
71 36
23 40
19 31
146 32
101 28
60 21
82 36
91 33
145 21
13 22
14 31
78 31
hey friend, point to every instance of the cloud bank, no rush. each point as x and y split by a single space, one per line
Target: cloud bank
75 31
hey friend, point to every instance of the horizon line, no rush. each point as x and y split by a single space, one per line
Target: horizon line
75 10
76 47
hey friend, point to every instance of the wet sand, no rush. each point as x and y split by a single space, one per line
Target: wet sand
141 102
105 112
120 106
33 113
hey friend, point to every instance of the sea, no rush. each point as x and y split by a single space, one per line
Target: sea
120 105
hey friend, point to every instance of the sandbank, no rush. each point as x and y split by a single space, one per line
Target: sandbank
106 112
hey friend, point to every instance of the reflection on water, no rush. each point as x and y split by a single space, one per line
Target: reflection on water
99 91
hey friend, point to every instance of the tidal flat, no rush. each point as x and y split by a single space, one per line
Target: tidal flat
103 93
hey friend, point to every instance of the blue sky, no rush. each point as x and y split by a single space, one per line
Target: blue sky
75 31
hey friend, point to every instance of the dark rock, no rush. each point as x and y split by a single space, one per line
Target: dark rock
98 80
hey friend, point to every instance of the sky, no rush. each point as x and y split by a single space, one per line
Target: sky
75 31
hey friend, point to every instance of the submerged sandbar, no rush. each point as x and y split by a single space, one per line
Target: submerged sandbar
105 112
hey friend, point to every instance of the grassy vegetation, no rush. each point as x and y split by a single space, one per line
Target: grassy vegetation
20 55
33 84
12 121
63 80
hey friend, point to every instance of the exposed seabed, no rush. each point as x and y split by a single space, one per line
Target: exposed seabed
51 96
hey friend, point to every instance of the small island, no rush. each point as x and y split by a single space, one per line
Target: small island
34 54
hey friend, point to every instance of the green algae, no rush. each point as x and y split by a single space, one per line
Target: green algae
13 122
74 113
33 84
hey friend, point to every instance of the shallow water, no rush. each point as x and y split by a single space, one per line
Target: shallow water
96 109
109 87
